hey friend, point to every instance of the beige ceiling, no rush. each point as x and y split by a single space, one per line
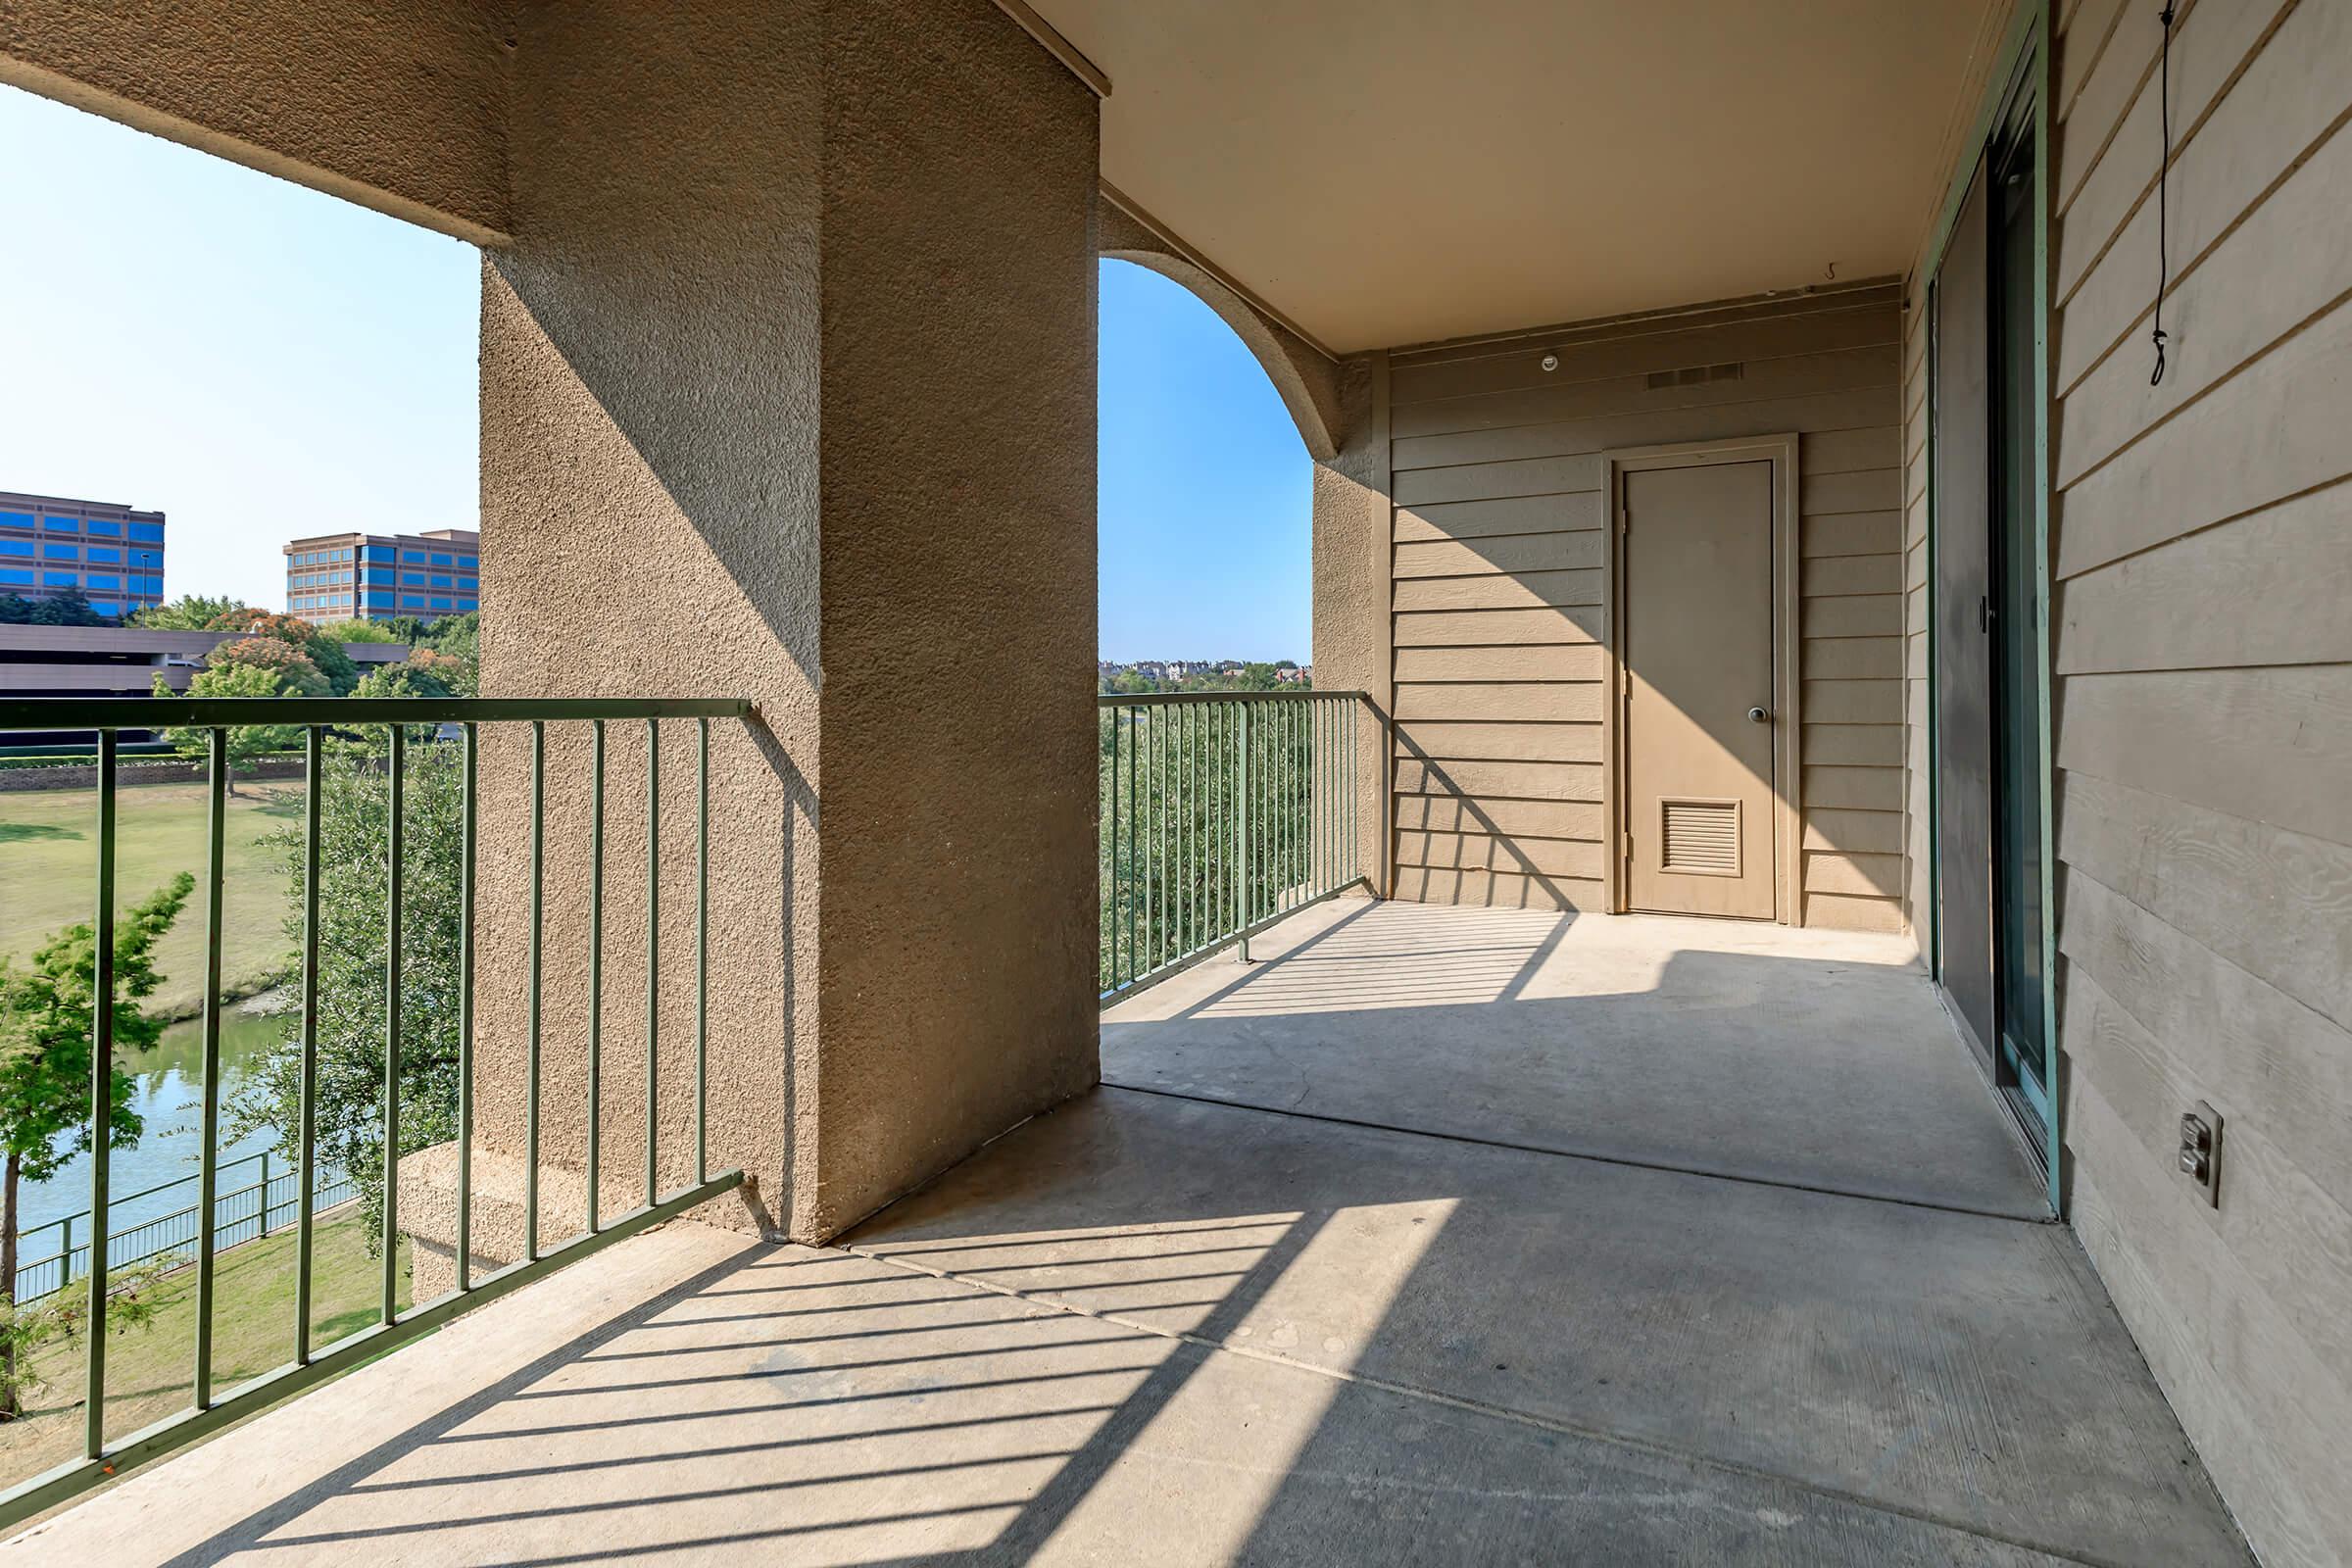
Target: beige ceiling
1388 172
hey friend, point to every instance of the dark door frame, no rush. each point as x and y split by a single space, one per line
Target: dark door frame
2013 113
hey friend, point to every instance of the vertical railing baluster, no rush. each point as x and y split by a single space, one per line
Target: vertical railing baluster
102 1097
208 1156
1159 809
596 969
393 845
1135 906
1246 864
701 950
1116 893
652 958
467 829
538 932
313 771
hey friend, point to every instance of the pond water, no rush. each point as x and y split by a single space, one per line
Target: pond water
170 1101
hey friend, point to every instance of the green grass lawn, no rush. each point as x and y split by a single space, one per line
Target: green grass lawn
48 869
148 1368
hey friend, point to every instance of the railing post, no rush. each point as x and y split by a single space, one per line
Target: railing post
102 1097
208 1157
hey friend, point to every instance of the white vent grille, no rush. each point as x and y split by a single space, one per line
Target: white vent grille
1700 838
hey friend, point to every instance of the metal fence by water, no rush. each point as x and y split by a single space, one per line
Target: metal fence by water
384 730
1221 812
268 1200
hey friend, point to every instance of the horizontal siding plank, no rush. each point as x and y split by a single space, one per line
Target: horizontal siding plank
2292 256
1854 832
1852 533
1480 851
1489 481
1448 629
1802 375
1475 813
1870 406
1866 876
1498 890
1853 745
1658 346
2270 588
1852 702
2270 746
1867 490
2274 903
2287 99
2271 1060
1587 662
1853 574
2209 45
1880 446
1521 702
2251 442
1513 552
1452 741
1527 781
1835 912
1853 658
1857 615
2293 1238
1479 519
1520 590
1866 789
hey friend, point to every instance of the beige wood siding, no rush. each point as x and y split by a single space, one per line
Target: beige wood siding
2203 701
2203 664
1499 570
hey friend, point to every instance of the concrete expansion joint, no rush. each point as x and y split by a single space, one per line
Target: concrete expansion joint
1610 1437
1590 1155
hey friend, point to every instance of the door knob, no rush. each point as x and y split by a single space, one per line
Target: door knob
1759 715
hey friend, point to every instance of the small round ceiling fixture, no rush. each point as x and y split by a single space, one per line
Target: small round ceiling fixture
1551 361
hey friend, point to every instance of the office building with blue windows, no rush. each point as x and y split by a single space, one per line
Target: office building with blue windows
374 577
50 544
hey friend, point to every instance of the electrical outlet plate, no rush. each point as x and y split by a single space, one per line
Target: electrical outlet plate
2201 1149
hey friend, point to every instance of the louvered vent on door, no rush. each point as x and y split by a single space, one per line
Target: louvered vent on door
1699 837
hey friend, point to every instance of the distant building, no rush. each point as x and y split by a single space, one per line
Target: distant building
121 662
49 544
375 576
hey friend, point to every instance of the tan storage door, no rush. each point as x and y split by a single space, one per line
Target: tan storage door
1697 646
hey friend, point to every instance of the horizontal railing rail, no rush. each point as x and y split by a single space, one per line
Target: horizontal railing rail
1220 813
383 732
170 1233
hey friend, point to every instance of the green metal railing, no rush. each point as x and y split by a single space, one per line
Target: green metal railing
395 724
1221 812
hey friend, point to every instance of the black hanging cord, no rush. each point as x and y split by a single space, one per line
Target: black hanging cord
2164 169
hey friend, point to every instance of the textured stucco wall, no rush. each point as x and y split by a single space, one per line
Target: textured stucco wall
956 959
1352 623
800 311
650 425
397 104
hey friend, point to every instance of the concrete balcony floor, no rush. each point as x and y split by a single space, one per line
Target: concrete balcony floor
1436 1235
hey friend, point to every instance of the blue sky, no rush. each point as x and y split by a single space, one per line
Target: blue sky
263 362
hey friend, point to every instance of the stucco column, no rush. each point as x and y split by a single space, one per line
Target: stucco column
1352 629
788 392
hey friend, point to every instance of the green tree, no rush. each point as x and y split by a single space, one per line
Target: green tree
325 653
46 1016
187 613
353 804
296 674
245 741
64 607
357 631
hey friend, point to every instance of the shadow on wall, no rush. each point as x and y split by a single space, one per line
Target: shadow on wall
1501 664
